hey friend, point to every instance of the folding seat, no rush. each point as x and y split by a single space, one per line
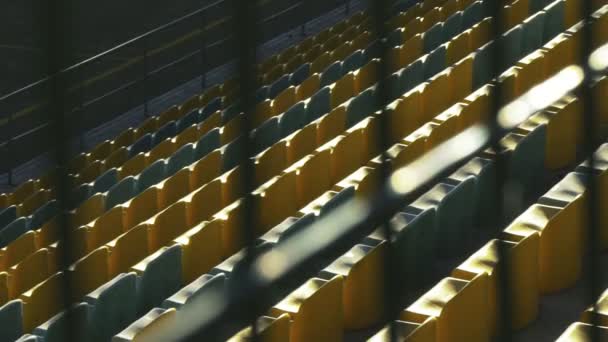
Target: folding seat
278 86
79 195
596 312
194 289
411 76
230 218
10 318
331 125
104 182
367 75
142 144
128 249
472 14
205 201
126 138
312 176
152 175
188 120
527 163
320 63
344 50
362 41
231 265
207 143
395 37
231 112
25 190
554 20
189 136
292 119
363 280
268 329
560 264
484 197
180 159
461 79
403 115
360 107
143 206
454 214
436 95
8 215
512 48
159 276
537 5
435 62
18 250
275 200
262 94
148 326
133 166
169 224
201 249
458 48
121 192
308 88
117 158
289 226
84 279
318 105
312 54
13 230
578 331
56 329
112 306
331 74
454 303
293 64
284 100
270 162
482 70
43 214
42 302
301 142
329 201
272 74
342 90
300 74
523 279
433 37
532 35
266 135
315 310
211 107
409 331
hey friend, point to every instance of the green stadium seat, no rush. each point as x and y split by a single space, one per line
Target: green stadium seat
300 74
266 135
113 306
190 292
43 214
107 180
554 20
11 326
180 159
331 74
57 329
482 66
151 175
293 119
211 107
318 105
167 131
353 62
434 62
453 26
207 143
13 230
159 277
231 112
142 144
8 215
121 192
231 154
533 33
433 38
411 76
278 86
512 48
188 120
472 14
360 107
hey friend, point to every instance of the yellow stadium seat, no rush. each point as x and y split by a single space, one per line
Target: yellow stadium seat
477 107
600 29
169 224
301 143
174 113
599 313
342 90
434 97
213 121
514 13
128 249
4 297
315 310
320 63
331 125
532 70
89 273
450 7
312 176
189 135
510 85
34 202
201 249
205 201
91 171
432 17
362 41
410 331
29 272
332 43
48 233
522 253
148 327
232 185
42 302
342 51
133 166
270 162
143 206
459 307
362 269
230 220
107 227
481 33
275 200
365 181
405 114
263 112
294 62
559 53
176 187
88 211
315 206
572 12
308 88
274 73
232 130
366 76
270 329
559 263
313 53
117 158
148 126
206 169
284 100
101 151
345 155
126 138
583 332
18 250
368 128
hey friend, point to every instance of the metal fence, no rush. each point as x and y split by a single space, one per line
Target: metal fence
271 275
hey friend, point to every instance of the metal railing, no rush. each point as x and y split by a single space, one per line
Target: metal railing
269 276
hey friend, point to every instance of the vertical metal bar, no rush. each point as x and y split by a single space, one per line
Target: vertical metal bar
589 133
391 302
145 79
58 15
245 27
203 51
501 184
